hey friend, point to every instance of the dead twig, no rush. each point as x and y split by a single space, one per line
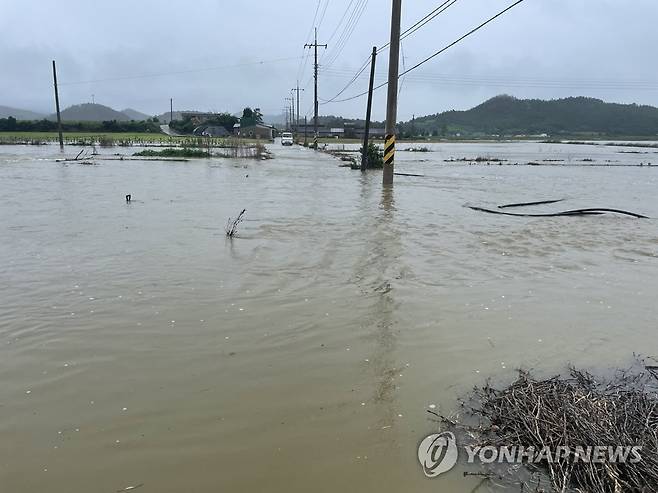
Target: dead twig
232 224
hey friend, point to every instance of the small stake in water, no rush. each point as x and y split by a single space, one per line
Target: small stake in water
129 198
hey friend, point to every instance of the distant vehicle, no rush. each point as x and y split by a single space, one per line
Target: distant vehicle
286 139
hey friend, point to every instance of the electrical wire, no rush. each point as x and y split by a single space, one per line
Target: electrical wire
179 72
408 32
445 48
350 27
419 24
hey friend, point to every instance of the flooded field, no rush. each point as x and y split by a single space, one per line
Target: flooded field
141 347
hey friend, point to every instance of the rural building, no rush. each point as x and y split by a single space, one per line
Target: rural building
215 131
348 131
258 131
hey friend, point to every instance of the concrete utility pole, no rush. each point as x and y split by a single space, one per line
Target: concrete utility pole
392 102
289 112
366 133
315 45
59 116
292 113
297 119
305 130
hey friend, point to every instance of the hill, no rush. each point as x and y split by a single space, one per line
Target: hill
89 112
506 115
6 112
138 116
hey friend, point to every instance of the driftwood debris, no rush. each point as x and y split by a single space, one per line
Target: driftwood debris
569 414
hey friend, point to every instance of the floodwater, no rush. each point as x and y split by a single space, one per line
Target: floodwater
141 347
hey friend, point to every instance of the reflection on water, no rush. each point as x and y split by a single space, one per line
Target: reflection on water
139 346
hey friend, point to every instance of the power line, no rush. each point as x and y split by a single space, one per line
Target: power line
340 22
350 26
179 72
472 31
324 11
512 81
408 32
354 78
301 68
419 24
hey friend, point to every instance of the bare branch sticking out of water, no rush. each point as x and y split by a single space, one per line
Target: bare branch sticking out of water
232 224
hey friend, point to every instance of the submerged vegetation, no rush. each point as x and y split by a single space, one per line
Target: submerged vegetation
229 148
178 152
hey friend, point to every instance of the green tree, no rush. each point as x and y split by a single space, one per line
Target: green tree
251 117
375 156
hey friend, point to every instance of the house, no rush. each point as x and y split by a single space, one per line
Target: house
215 131
348 131
258 131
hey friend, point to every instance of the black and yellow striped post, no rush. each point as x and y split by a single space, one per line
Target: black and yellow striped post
315 142
389 150
392 101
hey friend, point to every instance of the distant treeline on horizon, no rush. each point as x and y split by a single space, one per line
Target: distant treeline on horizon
499 116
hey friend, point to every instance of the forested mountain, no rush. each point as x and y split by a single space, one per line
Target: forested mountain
506 115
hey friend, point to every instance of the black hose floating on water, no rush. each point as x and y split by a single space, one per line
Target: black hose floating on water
574 212
524 204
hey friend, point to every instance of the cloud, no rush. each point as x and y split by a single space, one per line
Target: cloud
540 49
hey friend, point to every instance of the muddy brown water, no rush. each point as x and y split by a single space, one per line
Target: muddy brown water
139 346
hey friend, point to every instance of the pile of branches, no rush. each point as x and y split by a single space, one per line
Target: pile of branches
576 412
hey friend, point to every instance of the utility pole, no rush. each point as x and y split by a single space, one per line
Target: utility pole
392 102
305 130
289 112
297 119
59 116
366 133
315 45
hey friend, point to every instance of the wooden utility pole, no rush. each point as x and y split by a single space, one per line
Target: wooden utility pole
315 45
171 110
297 119
392 102
366 133
59 116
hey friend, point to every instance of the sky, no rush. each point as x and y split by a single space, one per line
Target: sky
219 55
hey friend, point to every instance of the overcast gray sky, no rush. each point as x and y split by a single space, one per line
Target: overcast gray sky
206 53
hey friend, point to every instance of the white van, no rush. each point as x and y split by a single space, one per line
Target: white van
286 139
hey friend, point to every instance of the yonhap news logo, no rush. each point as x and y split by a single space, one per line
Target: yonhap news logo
438 453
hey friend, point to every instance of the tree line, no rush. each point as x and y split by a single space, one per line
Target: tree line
11 124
